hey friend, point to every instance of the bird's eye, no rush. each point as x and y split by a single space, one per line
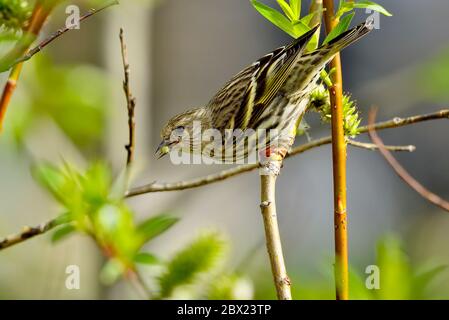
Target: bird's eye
179 130
177 133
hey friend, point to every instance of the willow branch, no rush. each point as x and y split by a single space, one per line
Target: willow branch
225 174
130 102
338 164
27 233
400 171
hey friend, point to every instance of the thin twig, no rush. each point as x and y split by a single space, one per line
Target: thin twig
273 237
61 31
374 147
27 233
130 102
400 171
135 277
225 174
182 185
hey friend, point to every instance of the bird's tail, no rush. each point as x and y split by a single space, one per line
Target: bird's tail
347 38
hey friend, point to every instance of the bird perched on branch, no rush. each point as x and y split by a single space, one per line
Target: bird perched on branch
268 99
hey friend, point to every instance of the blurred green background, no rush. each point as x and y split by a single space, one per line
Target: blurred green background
69 106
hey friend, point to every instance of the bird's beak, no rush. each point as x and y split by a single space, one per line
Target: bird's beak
163 148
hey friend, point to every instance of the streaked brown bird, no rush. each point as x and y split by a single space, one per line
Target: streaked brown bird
270 95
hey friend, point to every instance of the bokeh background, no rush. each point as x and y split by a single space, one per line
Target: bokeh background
69 105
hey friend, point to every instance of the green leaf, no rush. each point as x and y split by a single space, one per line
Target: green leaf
364 4
296 8
395 269
146 258
63 218
341 27
343 8
51 178
154 226
308 18
62 233
202 255
300 28
422 280
275 17
287 10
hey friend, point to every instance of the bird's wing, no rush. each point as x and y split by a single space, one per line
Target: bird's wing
248 93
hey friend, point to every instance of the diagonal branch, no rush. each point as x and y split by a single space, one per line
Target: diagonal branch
400 171
27 233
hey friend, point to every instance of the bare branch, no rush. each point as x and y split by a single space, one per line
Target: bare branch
27 233
374 147
400 171
130 101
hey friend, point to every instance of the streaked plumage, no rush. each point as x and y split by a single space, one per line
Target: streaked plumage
272 93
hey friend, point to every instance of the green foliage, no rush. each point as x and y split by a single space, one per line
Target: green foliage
155 226
146 258
431 78
400 278
341 27
14 14
347 6
74 97
320 102
291 22
202 255
63 232
230 287
93 208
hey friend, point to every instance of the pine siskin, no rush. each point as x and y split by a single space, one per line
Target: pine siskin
269 97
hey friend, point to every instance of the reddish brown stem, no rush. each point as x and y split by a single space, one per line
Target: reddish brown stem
339 166
37 20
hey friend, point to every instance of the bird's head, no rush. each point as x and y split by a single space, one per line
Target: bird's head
182 129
